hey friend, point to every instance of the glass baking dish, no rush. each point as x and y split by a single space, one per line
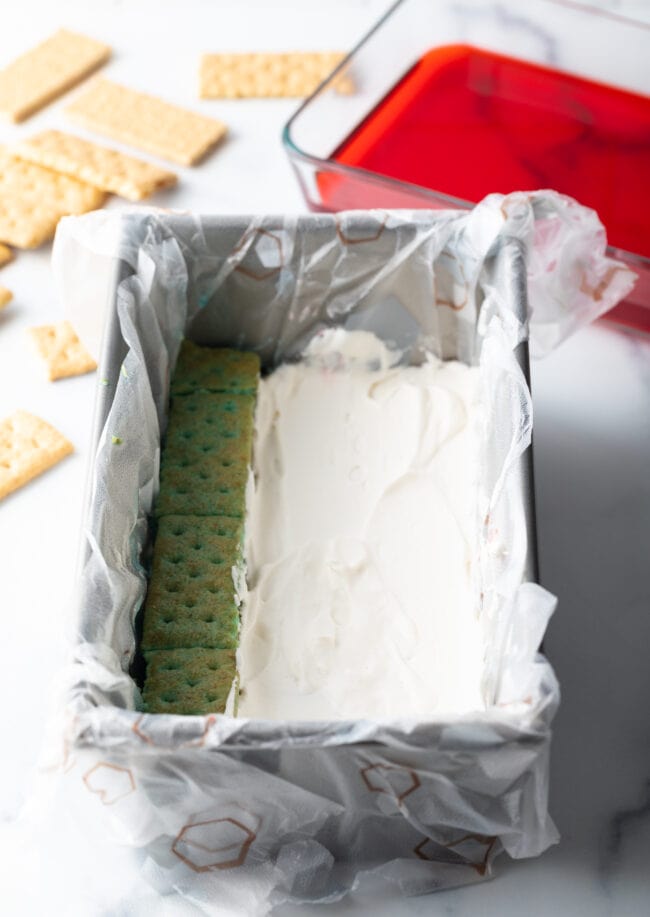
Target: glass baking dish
444 102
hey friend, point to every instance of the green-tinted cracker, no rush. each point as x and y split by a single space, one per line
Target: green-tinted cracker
190 608
208 447
215 369
178 624
191 616
176 529
188 681
191 595
211 425
201 488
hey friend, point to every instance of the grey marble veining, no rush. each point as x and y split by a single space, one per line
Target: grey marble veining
593 482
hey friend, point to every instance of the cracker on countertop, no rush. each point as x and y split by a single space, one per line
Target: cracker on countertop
104 168
28 446
267 75
46 71
6 255
33 200
215 369
146 122
188 681
61 350
5 297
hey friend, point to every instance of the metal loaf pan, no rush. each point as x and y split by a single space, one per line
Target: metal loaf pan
441 797
220 235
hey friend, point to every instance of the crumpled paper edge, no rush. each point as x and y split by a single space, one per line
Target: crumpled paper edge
544 223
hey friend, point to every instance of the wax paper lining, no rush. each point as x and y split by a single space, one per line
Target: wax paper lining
239 815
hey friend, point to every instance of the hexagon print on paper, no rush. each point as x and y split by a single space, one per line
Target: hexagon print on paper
219 843
391 779
471 850
110 782
351 234
264 255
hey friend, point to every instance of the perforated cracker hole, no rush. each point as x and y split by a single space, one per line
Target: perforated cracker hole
169 697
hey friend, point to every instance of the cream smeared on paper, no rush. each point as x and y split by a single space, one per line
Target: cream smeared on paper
362 538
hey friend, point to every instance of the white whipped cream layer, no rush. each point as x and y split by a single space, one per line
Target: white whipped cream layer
362 538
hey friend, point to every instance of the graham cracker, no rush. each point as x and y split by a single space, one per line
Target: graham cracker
191 594
61 350
203 488
6 255
210 426
33 200
206 455
289 75
5 297
106 169
195 612
146 122
46 71
28 446
215 369
188 681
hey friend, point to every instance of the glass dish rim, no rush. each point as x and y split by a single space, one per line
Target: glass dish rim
395 184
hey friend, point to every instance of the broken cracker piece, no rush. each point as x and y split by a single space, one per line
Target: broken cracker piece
267 75
47 71
106 169
146 122
33 200
5 297
28 446
6 255
62 351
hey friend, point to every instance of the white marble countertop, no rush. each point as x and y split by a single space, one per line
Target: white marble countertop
592 454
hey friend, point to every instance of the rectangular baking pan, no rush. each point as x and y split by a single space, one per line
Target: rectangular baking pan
438 799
